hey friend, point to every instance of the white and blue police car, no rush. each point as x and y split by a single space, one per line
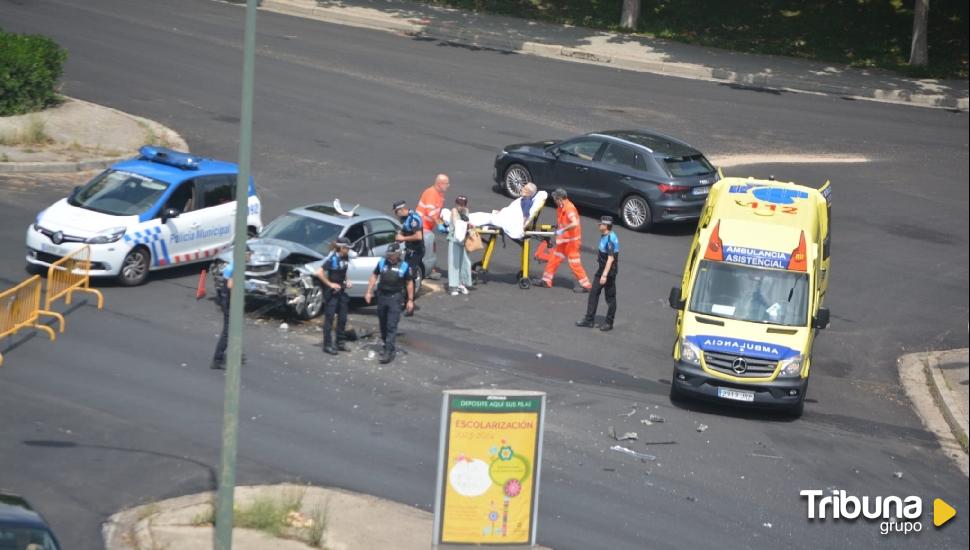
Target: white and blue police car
160 209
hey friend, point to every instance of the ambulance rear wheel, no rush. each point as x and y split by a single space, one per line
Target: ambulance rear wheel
134 268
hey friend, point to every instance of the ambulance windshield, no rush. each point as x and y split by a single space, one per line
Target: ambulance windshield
751 294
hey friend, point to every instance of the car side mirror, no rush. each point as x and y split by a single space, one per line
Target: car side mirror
821 318
75 191
555 151
169 213
674 299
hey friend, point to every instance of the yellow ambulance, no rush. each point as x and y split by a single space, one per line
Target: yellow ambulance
751 299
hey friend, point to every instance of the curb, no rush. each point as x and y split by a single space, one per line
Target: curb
89 164
66 166
944 398
501 42
914 378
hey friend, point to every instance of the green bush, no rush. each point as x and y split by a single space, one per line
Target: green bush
30 66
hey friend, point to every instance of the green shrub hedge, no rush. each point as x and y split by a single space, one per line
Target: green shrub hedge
30 66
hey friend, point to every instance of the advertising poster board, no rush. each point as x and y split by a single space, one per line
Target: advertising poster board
489 456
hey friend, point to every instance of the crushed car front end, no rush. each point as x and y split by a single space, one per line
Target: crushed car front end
278 273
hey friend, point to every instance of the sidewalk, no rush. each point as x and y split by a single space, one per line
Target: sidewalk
346 522
629 51
291 517
76 136
936 384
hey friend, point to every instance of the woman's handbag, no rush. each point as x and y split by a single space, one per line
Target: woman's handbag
473 241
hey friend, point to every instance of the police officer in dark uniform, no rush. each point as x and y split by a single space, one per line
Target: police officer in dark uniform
411 234
333 275
223 287
605 279
393 278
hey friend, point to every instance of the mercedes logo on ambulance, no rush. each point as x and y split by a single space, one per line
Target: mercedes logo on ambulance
739 365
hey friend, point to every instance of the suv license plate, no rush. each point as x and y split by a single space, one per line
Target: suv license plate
736 395
700 191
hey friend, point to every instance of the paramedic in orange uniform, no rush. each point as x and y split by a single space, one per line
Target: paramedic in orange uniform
429 208
568 241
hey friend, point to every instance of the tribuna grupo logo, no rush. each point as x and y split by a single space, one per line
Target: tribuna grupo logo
895 514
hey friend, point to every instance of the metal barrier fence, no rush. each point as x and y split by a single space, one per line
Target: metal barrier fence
68 275
20 308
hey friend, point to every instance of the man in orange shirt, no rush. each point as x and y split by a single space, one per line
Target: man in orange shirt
568 242
429 207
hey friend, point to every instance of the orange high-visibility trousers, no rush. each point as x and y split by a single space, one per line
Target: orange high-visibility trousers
566 251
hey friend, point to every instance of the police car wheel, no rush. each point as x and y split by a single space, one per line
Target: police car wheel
516 176
314 301
134 268
635 213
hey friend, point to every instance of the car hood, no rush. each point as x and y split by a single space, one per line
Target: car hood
538 147
266 251
81 222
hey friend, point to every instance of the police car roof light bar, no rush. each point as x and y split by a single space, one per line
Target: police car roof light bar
163 155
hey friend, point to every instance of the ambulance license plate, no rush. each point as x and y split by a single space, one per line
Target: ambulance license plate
700 191
736 395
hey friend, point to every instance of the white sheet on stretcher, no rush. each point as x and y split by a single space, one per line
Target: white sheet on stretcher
509 219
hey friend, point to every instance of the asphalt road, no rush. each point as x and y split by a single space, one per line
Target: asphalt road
122 409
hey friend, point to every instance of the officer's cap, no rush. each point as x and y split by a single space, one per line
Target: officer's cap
607 221
343 242
399 205
393 248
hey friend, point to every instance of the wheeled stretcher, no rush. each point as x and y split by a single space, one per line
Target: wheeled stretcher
503 224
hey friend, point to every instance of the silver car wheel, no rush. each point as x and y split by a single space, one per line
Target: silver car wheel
635 212
516 176
418 280
314 301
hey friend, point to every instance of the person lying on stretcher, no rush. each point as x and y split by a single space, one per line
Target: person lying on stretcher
513 218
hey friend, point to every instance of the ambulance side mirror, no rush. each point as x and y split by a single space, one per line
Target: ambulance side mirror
674 298
821 318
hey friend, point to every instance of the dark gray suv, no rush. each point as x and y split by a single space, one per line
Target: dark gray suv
643 177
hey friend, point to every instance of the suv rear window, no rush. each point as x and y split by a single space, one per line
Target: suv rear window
693 165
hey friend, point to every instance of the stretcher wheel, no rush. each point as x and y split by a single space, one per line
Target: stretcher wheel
479 273
524 283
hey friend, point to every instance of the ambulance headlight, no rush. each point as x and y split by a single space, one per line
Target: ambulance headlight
690 353
107 236
791 367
